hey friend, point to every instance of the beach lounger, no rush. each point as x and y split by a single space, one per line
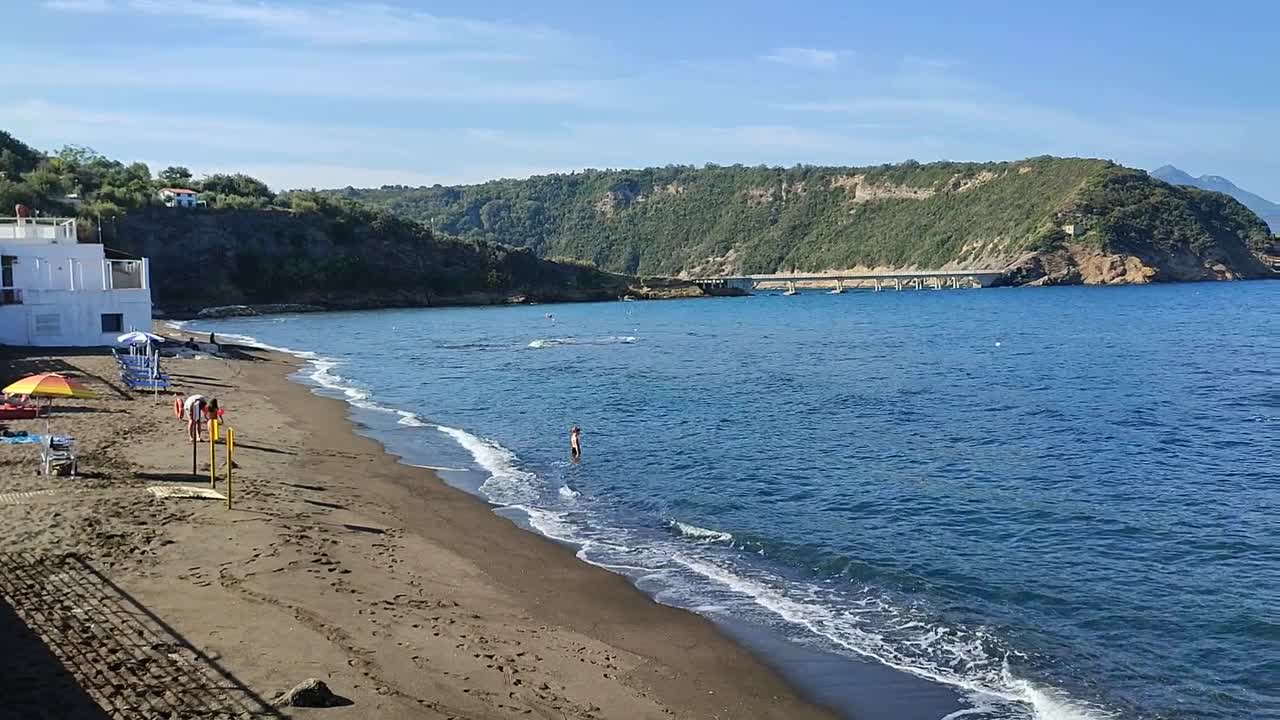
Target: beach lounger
19 412
142 374
137 363
136 382
57 456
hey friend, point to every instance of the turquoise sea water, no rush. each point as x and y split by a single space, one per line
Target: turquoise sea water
1062 503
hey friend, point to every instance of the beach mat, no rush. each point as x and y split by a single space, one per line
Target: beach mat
185 491
22 497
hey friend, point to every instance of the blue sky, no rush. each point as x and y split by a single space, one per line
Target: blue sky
329 93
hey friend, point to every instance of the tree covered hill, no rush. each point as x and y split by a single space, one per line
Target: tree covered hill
253 246
682 220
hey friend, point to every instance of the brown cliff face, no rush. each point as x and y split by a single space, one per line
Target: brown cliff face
1079 264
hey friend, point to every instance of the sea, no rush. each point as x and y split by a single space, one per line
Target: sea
1053 504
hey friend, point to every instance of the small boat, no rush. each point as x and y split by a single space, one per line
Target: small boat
836 291
789 293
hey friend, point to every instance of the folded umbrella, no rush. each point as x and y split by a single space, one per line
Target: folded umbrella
138 337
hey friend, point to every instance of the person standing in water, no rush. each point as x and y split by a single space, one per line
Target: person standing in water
575 445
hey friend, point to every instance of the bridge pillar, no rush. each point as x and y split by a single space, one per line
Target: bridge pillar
877 284
897 283
919 284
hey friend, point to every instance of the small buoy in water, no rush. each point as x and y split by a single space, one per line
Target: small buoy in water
997 344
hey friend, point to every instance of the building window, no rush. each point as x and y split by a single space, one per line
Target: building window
48 325
112 322
9 295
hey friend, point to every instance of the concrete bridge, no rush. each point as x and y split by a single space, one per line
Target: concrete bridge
840 282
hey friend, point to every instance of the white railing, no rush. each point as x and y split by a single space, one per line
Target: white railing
38 230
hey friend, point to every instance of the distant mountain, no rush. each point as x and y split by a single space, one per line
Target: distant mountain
1267 210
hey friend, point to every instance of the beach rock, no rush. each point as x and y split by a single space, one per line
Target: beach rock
311 693
225 311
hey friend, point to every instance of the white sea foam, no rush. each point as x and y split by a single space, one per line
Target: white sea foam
544 343
568 492
507 483
941 654
697 533
411 419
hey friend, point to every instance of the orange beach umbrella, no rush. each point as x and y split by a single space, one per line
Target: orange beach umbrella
49 385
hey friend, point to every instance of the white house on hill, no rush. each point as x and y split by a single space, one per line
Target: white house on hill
179 197
56 291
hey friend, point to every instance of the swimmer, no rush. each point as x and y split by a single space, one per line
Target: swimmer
575 445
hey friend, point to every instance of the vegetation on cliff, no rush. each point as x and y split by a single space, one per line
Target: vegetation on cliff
714 220
254 246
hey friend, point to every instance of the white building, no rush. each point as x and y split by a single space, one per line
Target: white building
179 197
57 291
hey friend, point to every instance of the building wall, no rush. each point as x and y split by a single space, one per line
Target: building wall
64 296
78 320
55 267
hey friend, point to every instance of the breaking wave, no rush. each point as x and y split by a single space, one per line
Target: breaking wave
701 534
559 342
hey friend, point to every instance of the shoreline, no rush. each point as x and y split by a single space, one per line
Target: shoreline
626 618
838 684
410 598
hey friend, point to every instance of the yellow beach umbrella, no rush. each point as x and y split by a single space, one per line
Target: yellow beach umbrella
49 385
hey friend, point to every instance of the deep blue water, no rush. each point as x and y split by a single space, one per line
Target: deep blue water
1064 502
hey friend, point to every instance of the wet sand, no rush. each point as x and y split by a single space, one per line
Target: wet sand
410 598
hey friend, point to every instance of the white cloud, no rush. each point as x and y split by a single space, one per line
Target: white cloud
348 23
82 6
456 77
806 57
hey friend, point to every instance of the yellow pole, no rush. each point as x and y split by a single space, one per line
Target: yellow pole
213 461
214 426
231 445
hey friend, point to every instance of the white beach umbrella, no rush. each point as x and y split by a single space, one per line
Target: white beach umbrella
138 337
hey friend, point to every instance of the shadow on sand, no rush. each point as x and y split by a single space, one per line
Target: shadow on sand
78 647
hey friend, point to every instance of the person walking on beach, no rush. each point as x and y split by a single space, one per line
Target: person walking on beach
575 445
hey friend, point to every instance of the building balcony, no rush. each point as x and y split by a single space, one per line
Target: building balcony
38 230
126 274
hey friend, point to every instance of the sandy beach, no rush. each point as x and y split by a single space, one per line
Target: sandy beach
411 599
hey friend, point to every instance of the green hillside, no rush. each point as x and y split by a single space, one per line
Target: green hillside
716 220
251 245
